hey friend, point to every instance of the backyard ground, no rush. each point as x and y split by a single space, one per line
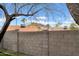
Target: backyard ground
4 52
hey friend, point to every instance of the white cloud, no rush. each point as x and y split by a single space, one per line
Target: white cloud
70 20
2 20
41 17
41 22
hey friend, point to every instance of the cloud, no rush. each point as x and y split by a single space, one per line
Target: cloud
69 20
41 17
41 22
2 20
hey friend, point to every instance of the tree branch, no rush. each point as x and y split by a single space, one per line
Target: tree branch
22 7
4 10
30 9
37 11
16 15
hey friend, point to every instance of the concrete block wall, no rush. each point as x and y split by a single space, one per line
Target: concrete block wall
33 43
1 45
10 40
55 43
64 43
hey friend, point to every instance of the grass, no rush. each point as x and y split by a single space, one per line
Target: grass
4 52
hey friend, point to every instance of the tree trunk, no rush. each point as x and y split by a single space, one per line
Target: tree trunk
4 28
11 17
74 11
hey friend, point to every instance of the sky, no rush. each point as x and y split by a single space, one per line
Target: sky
57 13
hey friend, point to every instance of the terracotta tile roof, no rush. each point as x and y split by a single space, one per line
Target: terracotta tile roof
32 28
11 27
28 28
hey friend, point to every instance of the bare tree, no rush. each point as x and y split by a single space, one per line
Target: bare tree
10 17
74 11
31 10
